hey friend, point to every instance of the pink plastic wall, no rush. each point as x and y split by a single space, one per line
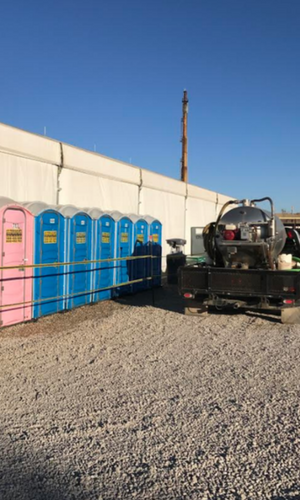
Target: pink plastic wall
16 249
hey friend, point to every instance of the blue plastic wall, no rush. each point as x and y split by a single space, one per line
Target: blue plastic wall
141 266
49 247
79 282
105 249
124 248
156 251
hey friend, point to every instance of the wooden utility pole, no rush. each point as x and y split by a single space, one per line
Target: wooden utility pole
184 140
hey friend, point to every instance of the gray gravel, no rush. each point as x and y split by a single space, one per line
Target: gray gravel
122 401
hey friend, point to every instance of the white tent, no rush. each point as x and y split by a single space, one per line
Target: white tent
35 167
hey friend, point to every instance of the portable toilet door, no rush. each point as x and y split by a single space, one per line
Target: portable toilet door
79 250
107 230
16 239
94 213
155 238
49 248
140 266
124 249
104 249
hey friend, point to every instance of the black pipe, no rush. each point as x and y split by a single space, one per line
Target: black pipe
267 198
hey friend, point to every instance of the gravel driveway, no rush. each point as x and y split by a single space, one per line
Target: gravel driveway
126 400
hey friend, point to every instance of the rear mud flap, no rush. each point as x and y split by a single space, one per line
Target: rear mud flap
291 315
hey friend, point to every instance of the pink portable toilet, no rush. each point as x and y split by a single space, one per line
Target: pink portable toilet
16 240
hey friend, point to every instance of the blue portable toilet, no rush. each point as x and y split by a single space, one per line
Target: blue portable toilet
123 249
141 267
48 248
155 244
79 249
104 244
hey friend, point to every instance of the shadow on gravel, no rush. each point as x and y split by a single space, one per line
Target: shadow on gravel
168 299
32 477
288 495
272 318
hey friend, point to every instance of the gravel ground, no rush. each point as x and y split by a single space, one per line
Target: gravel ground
126 400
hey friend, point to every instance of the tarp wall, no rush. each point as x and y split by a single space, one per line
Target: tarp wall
34 168
23 179
86 190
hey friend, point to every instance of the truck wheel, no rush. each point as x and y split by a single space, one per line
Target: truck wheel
290 315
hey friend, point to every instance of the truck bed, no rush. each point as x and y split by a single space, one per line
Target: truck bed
205 286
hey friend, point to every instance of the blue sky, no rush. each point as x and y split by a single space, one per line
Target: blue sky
112 73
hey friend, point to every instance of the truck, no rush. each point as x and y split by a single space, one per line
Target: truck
246 265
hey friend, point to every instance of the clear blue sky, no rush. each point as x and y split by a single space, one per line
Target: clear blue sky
111 73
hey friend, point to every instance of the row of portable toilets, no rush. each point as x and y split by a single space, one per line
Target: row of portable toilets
38 234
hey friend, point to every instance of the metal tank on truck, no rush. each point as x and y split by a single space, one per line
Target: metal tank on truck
245 237
247 264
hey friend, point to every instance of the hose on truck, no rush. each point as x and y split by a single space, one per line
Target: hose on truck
208 239
209 234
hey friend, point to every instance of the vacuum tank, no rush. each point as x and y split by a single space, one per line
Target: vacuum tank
246 237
